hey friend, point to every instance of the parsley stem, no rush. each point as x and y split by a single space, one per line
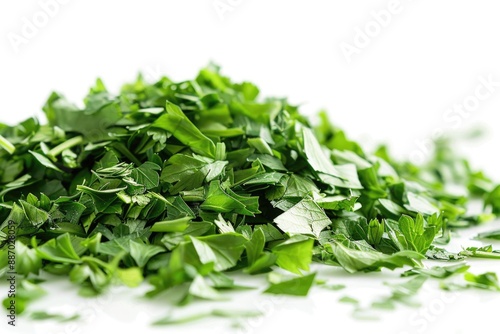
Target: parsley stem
7 145
487 255
64 146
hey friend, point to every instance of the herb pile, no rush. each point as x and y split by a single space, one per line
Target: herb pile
178 183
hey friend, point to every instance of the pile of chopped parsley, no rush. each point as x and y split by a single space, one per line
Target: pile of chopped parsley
177 183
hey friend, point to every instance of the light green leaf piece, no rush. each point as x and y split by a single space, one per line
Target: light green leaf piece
27 259
294 254
223 250
131 277
200 288
353 260
177 123
344 176
45 161
298 286
142 253
306 217
147 175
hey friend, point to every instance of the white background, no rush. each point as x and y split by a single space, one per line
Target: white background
427 57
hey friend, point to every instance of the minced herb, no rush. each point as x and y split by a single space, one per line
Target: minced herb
179 182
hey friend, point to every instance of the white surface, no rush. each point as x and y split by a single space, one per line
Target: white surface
430 57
